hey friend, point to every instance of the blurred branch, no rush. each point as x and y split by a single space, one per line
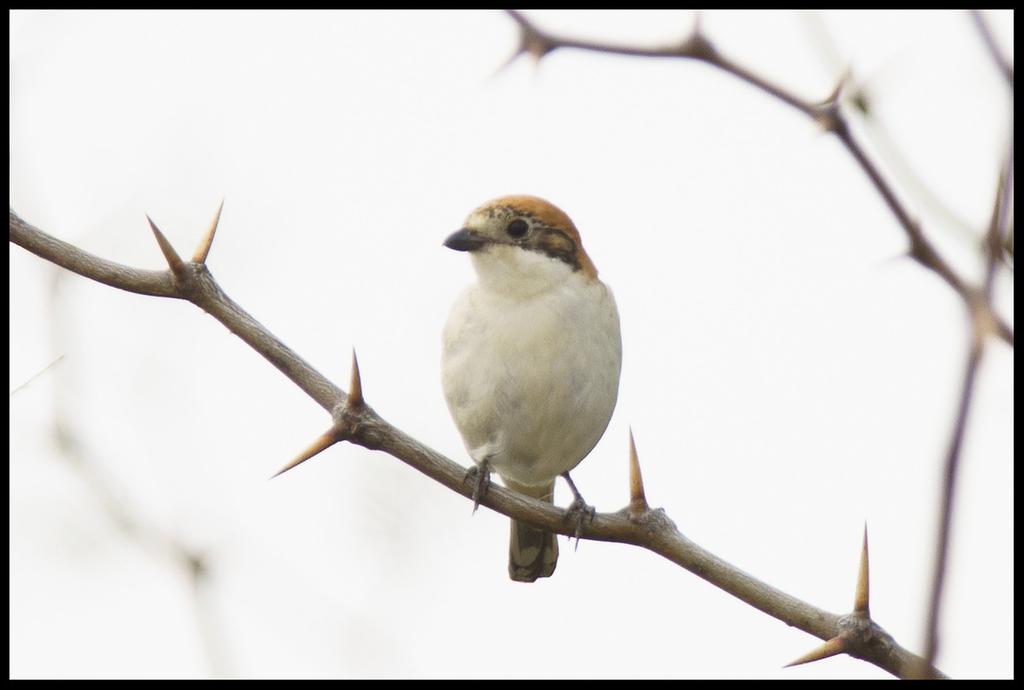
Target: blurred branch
135 526
859 96
127 518
828 114
1000 228
978 300
1004 67
358 423
997 244
981 326
946 508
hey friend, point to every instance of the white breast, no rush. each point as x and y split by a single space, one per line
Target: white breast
531 379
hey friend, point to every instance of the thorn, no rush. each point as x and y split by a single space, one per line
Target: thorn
173 260
844 79
860 599
355 386
861 100
203 250
895 259
837 645
520 50
994 240
508 62
826 113
696 44
322 443
637 499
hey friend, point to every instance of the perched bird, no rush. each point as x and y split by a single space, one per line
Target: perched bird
531 358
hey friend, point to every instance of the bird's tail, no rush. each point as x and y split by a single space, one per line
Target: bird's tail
532 552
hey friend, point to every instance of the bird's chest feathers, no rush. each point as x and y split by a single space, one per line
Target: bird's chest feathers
530 377
511 345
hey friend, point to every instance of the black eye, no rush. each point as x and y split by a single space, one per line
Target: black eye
517 228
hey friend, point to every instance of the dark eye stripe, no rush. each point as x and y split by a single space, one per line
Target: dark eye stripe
557 245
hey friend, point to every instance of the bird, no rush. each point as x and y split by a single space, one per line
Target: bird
531 357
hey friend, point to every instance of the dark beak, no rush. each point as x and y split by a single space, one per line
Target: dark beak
465 240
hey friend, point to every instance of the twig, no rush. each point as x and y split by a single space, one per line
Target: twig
39 373
881 141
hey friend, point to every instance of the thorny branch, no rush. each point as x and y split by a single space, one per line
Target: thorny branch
828 114
358 423
637 524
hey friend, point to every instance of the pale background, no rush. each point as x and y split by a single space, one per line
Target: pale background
787 375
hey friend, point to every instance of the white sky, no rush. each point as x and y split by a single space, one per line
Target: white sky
788 377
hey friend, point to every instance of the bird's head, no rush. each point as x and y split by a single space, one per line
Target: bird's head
522 245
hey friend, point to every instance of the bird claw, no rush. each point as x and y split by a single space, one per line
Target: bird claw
584 513
480 475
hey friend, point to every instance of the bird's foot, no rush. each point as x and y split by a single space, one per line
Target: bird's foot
480 476
584 512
